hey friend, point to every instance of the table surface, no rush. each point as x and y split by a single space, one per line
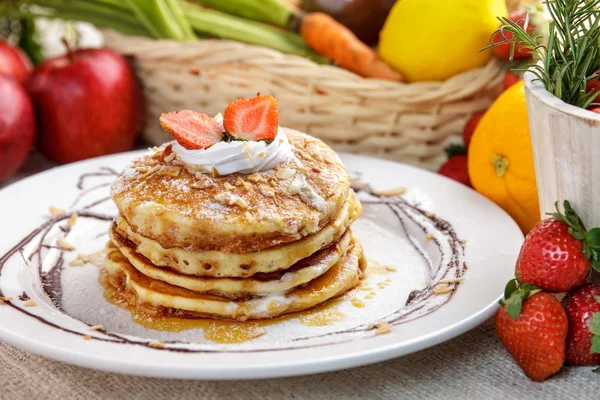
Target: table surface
474 366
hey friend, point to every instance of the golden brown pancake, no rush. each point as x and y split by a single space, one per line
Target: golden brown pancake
219 264
237 213
169 299
260 284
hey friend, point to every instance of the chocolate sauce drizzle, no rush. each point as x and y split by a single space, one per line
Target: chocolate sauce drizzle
403 210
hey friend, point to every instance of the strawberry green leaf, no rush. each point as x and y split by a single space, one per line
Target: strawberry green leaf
455 149
596 262
594 324
592 238
514 306
595 345
510 288
514 303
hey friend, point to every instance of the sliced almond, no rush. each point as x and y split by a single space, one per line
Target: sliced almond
56 211
96 327
390 192
382 328
150 172
157 344
228 186
77 262
30 303
87 337
285 173
256 178
170 157
6 298
64 245
453 280
266 190
202 182
170 170
72 220
442 289
241 203
428 237
214 172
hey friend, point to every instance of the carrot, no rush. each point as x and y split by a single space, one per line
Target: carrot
333 40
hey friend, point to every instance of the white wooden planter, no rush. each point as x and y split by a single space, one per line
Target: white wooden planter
566 150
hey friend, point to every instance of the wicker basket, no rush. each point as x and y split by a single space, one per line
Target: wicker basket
411 123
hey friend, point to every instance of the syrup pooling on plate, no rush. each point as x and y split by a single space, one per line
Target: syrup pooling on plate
419 303
220 330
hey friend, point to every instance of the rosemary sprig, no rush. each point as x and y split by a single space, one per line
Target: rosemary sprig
572 55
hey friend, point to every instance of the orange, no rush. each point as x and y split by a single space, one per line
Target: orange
501 158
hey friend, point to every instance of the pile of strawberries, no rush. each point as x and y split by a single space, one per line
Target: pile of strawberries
541 333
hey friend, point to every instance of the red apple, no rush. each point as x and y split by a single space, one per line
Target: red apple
88 104
17 126
13 62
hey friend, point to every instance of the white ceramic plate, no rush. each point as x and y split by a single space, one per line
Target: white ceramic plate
452 231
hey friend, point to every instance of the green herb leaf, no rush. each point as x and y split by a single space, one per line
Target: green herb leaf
571 54
595 348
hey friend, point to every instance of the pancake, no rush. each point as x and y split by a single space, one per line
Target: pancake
219 264
237 213
167 299
260 284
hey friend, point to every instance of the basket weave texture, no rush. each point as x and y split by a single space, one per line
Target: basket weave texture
410 123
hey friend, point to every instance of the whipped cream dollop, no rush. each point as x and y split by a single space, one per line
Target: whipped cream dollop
245 157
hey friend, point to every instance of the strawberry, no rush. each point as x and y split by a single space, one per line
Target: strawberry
593 85
583 340
252 119
470 127
532 326
191 129
558 253
503 39
510 78
457 165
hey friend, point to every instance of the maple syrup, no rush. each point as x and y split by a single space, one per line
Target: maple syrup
221 330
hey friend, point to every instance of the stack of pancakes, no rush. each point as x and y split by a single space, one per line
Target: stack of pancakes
240 246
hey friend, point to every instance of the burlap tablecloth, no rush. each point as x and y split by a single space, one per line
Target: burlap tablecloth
472 366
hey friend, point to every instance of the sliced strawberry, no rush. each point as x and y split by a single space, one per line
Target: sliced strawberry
252 119
191 129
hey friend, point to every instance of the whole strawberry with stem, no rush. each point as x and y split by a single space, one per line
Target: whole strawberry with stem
559 252
532 325
583 340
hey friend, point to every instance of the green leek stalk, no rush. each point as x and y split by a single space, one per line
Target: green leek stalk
217 24
273 12
161 19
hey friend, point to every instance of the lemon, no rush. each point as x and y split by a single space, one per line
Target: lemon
433 40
